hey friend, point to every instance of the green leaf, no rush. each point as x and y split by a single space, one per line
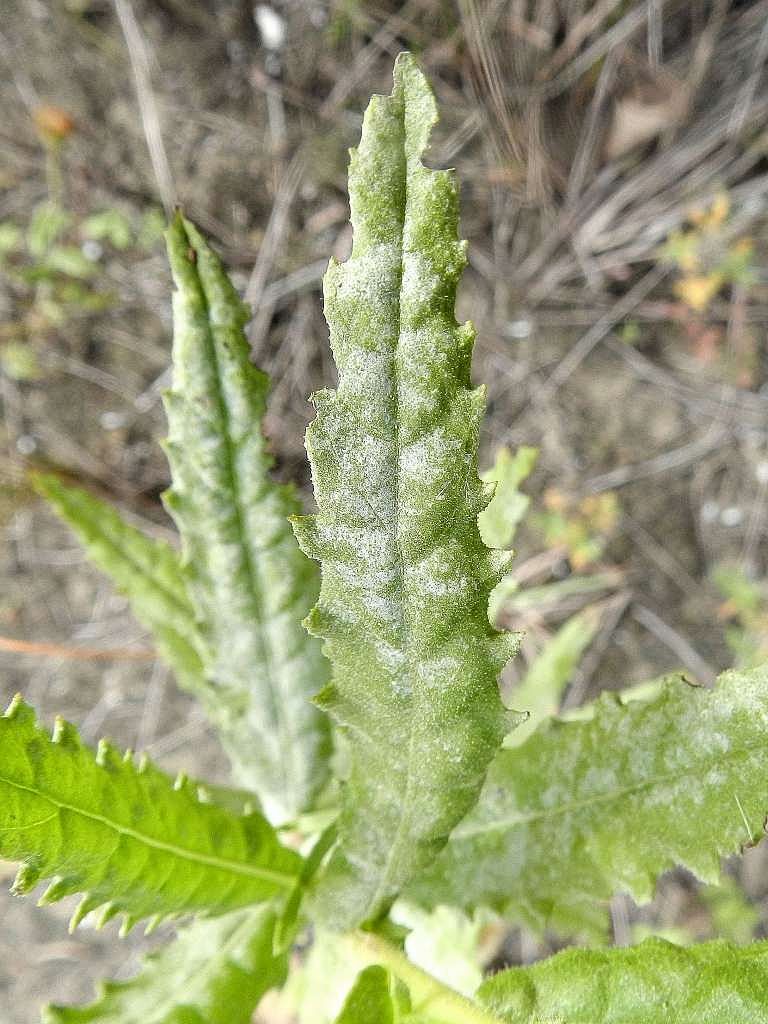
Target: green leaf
70 260
445 942
406 577
513 599
588 808
18 359
214 972
319 984
542 686
147 571
124 834
733 916
713 983
250 584
10 237
415 997
378 996
499 521
47 224
108 225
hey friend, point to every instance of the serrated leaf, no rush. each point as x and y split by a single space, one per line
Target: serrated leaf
250 584
214 972
715 983
406 577
124 834
146 570
588 808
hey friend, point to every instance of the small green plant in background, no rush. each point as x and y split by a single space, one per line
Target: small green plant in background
58 254
552 661
429 817
707 256
55 268
712 257
582 527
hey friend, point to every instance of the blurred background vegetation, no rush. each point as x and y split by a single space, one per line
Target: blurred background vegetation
613 156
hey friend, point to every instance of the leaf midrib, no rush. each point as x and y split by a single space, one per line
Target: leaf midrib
401 831
287 744
208 860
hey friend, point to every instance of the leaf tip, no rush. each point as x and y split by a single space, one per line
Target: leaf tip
64 734
127 925
152 923
27 877
19 710
107 756
108 911
57 889
84 907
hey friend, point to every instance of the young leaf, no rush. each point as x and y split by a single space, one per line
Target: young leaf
509 595
147 571
214 972
318 986
250 584
445 942
542 686
499 521
587 808
406 577
714 982
124 834
378 996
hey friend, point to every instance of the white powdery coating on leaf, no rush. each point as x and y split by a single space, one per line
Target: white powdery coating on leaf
370 279
430 458
384 608
415 680
419 281
373 546
436 670
394 659
369 373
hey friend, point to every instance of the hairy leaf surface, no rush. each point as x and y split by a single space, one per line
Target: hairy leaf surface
588 808
714 982
250 584
214 972
124 834
147 571
405 575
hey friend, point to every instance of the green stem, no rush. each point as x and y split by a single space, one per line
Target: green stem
443 1004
